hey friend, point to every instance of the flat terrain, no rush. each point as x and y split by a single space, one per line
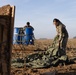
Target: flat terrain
41 45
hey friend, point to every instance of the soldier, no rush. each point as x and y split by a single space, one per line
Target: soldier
29 34
62 35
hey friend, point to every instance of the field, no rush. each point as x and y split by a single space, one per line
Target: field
41 45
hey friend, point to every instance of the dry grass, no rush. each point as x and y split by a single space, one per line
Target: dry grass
43 45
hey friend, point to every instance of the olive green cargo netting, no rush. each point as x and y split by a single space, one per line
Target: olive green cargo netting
51 57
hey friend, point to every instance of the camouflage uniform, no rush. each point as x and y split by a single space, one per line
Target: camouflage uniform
63 37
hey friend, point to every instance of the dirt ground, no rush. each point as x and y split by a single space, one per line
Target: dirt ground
42 45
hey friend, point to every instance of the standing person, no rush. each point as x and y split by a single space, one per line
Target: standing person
29 34
62 35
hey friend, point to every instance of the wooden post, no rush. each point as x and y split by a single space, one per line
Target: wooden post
11 32
7 14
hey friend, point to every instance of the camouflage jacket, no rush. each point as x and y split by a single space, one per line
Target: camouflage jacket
61 31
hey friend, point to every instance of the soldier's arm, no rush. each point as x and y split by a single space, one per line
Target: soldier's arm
60 33
32 27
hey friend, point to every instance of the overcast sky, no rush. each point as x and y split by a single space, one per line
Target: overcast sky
41 14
